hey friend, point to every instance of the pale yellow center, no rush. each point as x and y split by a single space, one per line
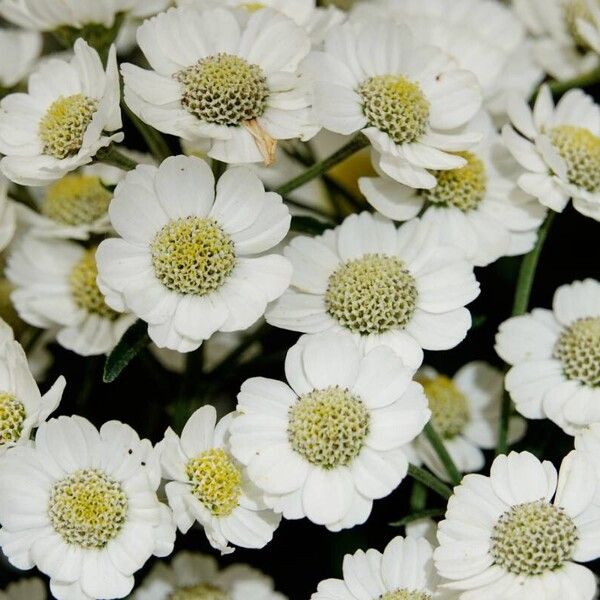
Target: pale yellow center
12 417
578 348
252 6
405 594
202 591
449 406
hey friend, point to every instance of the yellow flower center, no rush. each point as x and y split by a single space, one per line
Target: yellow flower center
405 594
578 348
88 509
216 481
63 126
252 6
449 406
12 417
202 591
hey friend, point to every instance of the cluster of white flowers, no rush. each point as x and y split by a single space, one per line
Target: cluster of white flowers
188 174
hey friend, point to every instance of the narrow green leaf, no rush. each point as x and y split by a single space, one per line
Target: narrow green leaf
133 341
428 513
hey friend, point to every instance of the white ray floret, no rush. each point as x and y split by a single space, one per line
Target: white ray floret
20 51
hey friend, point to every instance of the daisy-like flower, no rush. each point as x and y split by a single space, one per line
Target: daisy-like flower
20 51
81 506
8 214
407 98
404 571
559 147
464 411
197 577
241 89
22 407
206 484
333 439
55 287
25 589
192 261
555 358
60 123
519 533
477 208
380 285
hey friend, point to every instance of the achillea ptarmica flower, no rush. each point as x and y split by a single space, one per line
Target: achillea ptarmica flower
407 98
56 288
193 261
207 484
81 506
25 589
555 358
519 533
379 284
333 439
559 147
62 121
20 51
241 89
197 576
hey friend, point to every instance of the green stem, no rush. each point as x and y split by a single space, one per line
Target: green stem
440 449
581 81
358 142
418 497
520 306
428 513
154 140
430 481
115 158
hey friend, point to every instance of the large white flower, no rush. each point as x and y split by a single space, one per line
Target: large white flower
206 484
192 261
559 147
380 285
196 576
477 208
406 97
82 507
55 287
333 440
20 51
25 589
225 75
505 537
555 358
60 123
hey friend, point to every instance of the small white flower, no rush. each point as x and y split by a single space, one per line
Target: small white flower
60 123
407 98
25 589
22 407
192 261
465 412
559 147
20 51
380 285
197 577
333 439
8 214
237 83
55 287
555 358
81 506
476 208
207 484
505 537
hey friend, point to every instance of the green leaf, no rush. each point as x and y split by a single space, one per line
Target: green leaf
429 513
309 225
133 341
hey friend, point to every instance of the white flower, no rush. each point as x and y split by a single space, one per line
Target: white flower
559 147
8 214
206 484
333 440
192 261
55 287
407 98
25 589
22 407
59 124
465 413
555 358
504 538
380 285
237 83
198 576
588 23
20 51
476 208
81 506
404 571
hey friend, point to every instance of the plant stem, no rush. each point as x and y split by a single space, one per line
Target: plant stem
154 140
430 481
428 513
440 449
112 156
418 497
581 81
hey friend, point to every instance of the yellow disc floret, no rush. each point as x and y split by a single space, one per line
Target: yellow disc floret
12 417
449 406
578 348
202 591
404 594
252 6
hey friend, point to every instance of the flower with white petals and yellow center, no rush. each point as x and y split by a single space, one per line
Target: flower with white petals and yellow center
60 124
374 283
95 502
197 577
524 539
408 104
55 288
242 95
334 438
559 149
555 358
192 261
207 484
